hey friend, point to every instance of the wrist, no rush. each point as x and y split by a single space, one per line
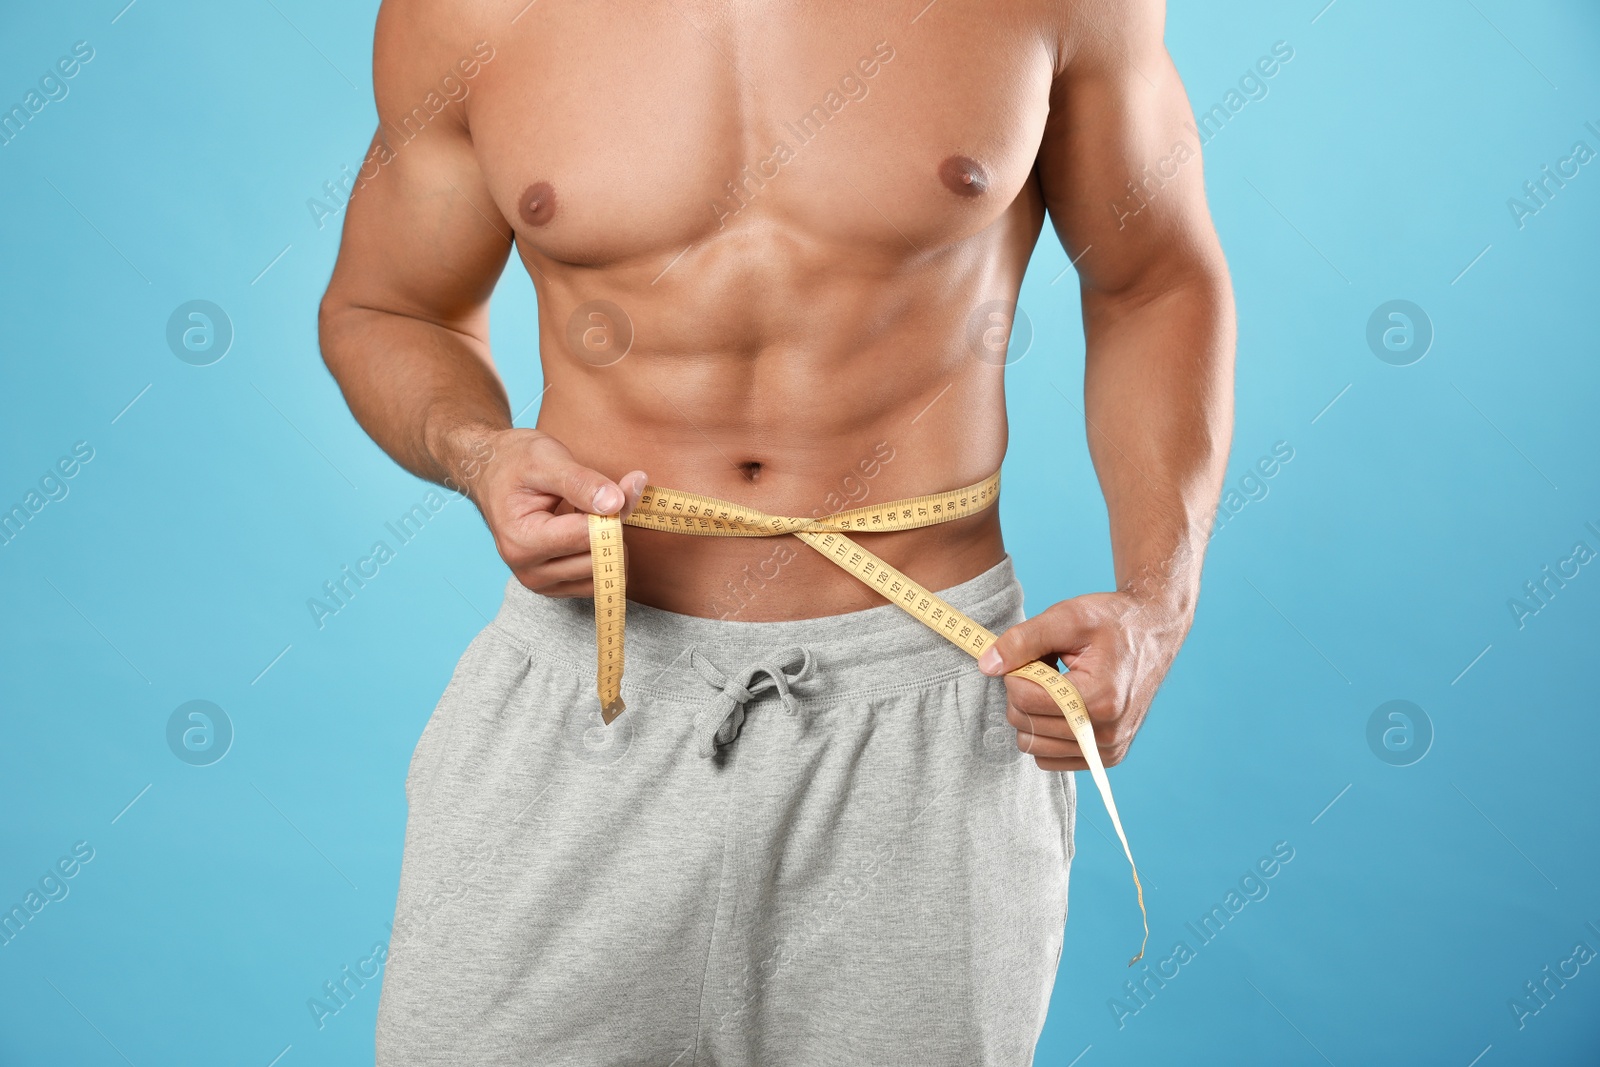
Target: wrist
1174 605
1170 589
460 450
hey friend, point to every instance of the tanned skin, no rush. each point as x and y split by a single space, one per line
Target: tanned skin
787 331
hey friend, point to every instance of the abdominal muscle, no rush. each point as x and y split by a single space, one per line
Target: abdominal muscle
805 432
797 375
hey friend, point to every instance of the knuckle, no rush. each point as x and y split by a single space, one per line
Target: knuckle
1041 704
578 484
1063 611
1021 637
1093 699
521 553
516 555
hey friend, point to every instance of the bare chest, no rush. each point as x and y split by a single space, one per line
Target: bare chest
610 133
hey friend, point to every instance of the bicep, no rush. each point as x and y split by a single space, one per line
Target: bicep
1120 165
422 235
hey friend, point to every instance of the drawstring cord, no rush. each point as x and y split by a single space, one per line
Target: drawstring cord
719 722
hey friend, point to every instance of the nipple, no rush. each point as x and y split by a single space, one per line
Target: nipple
537 205
964 176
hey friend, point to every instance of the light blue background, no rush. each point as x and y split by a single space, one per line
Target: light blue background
1377 567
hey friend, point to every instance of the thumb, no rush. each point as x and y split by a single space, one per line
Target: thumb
1053 631
586 490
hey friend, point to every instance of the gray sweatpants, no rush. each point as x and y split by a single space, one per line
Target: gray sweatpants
808 842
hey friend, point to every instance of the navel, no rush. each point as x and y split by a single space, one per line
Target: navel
964 176
537 204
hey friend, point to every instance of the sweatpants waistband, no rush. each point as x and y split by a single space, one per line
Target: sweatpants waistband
875 649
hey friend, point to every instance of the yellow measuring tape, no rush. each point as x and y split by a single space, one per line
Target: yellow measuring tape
675 511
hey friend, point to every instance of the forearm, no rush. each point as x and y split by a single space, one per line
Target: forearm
427 394
1158 399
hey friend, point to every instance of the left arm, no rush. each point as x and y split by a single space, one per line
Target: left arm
1121 176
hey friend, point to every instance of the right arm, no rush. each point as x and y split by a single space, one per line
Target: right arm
404 325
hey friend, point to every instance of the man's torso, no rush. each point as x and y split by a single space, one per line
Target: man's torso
775 250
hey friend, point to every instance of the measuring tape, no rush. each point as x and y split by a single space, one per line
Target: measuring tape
675 511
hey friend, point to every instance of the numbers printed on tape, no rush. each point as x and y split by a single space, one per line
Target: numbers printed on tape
689 513
610 609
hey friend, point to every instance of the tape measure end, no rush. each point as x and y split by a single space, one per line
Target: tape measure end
1146 942
610 711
